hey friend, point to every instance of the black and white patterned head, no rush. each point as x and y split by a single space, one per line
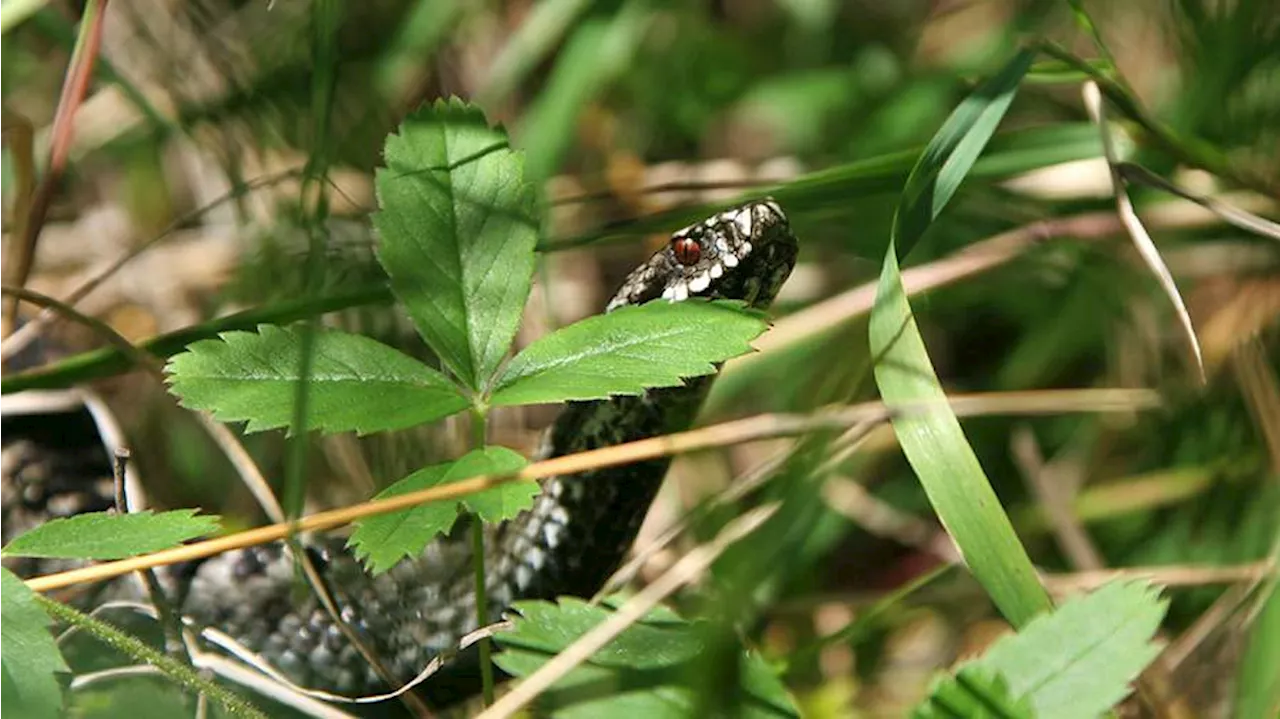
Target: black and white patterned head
744 254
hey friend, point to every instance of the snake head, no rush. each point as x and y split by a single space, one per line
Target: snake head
744 253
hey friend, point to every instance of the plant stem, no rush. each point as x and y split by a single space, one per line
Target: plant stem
175 670
1186 148
479 430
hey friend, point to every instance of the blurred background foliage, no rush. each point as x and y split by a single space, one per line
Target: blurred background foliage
243 136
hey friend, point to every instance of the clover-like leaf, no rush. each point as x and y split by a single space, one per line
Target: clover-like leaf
103 535
657 344
1078 660
457 230
383 540
28 654
357 384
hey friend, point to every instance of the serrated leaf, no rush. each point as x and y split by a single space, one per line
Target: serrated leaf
383 540
357 384
972 693
643 672
456 230
1079 660
656 344
29 656
103 535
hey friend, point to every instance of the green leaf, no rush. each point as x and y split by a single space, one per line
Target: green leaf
1258 687
103 535
1079 660
643 672
383 540
926 427
457 229
357 384
972 693
656 344
29 656
111 360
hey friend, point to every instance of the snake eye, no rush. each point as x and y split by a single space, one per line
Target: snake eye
687 251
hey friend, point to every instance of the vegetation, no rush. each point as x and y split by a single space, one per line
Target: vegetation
1032 472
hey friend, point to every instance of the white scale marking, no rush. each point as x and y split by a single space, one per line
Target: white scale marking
700 283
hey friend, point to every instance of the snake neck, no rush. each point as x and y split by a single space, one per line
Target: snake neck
568 543
581 525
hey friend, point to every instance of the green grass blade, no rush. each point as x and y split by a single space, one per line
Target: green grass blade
599 50
933 442
109 361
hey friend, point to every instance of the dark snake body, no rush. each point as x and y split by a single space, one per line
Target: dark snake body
568 543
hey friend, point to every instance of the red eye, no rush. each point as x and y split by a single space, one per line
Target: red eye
687 250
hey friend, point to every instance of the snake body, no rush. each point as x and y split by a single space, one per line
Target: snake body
573 537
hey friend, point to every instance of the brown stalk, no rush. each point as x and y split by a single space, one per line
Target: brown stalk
79 72
763 426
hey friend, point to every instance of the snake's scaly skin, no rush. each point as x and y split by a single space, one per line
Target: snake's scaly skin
568 543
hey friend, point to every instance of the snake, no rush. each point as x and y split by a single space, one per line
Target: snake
570 540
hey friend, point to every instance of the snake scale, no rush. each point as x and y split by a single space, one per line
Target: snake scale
568 543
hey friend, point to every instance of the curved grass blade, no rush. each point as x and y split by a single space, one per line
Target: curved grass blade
110 361
933 442
598 50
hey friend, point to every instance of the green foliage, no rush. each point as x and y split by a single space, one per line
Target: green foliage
357 384
849 99
30 658
931 436
384 540
102 535
643 672
1258 689
972 693
653 345
1076 661
457 229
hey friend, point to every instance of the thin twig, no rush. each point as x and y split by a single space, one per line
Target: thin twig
169 622
1050 488
847 497
765 426
74 86
1133 224
251 476
23 336
102 329
755 478
1182 575
137 649
689 568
